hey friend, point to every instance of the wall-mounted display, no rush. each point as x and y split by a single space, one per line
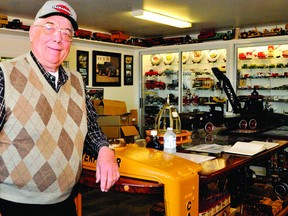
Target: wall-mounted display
2 59
128 70
106 69
83 64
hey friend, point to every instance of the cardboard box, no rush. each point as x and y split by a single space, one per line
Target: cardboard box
112 132
113 120
110 107
133 118
128 133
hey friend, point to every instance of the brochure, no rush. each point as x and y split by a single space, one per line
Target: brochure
250 148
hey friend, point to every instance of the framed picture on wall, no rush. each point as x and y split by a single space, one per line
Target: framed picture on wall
128 70
83 64
2 59
106 69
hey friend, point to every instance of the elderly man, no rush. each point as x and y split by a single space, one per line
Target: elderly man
46 120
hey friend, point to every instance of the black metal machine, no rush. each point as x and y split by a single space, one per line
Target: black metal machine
252 115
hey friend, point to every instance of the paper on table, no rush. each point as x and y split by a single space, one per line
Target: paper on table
209 148
250 148
268 145
197 158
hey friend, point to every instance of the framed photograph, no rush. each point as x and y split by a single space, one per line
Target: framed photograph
95 93
83 64
2 59
65 64
106 69
128 70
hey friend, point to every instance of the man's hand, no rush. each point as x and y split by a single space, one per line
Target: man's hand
107 172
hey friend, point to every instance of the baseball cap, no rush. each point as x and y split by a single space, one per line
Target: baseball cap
61 8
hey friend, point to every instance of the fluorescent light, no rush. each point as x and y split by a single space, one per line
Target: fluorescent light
159 18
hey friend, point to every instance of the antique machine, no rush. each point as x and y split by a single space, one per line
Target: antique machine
252 116
169 117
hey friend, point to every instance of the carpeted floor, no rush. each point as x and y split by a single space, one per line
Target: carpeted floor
97 203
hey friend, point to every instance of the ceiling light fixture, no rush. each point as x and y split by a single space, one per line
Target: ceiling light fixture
159 18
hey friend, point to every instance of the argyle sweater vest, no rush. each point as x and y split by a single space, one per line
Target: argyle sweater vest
42 140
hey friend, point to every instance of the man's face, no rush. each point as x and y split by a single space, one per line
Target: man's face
50 49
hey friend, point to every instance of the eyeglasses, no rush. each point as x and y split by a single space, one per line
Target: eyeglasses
51 28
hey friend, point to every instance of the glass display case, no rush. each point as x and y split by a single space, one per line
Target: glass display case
160 79
200 87
264 68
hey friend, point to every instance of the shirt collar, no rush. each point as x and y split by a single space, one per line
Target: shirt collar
63 76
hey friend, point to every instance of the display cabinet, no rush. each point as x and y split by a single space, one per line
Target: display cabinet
260 63
200 87
264 68
160 78
184 73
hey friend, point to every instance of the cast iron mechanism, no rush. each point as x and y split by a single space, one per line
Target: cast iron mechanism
168 117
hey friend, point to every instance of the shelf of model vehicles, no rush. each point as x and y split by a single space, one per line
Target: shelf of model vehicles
120 37
200 90
204 35
266 69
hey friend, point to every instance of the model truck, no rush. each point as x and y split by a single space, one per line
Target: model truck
119 37
3 20
212 35
84 34
101 36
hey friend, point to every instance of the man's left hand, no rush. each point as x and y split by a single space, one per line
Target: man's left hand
107 172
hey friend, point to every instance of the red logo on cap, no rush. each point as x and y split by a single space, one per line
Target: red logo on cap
62 9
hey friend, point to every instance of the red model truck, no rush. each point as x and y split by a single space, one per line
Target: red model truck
119 37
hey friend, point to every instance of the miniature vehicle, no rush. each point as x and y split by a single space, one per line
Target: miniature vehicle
273 32
14 24
172 99
177 40
24 27
207 34
173 85
3 20
154 100
212 35
107 69
261 55
197 119
168 72
81 33
101 36
151 84
149 42
251 34
119 37
151 72
136 42
152 110
193 120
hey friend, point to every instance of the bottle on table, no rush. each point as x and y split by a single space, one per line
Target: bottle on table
154 142
170 141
